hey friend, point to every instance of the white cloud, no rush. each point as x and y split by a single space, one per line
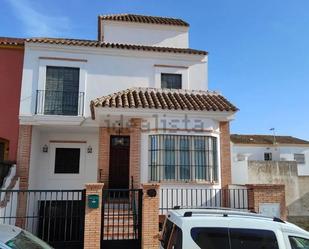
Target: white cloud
36 23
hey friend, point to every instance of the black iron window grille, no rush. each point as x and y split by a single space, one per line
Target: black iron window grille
183 158
61 95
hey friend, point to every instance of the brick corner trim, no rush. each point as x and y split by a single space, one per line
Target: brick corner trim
92 235
150 217
225 154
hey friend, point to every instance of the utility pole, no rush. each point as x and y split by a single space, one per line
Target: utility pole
274 134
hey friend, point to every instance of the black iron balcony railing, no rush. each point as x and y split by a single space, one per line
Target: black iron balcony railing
59 103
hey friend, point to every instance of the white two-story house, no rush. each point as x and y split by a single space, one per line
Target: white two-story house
129 108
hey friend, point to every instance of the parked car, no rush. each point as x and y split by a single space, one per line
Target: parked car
228 229
12 237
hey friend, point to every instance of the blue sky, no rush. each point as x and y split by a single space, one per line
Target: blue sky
258 50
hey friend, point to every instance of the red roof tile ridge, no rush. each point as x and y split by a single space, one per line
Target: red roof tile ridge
266 139
12 41
96 43
139 18
170 90
166 99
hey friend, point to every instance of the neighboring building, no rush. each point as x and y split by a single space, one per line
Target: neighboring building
111 111
11 67
270 148
266 159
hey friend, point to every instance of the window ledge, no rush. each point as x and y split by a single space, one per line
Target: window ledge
51 119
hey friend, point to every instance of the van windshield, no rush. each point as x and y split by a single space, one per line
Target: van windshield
25 240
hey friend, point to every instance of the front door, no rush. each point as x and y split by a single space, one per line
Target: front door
119 162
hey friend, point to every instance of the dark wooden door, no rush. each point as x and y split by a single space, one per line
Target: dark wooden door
119 162
2 148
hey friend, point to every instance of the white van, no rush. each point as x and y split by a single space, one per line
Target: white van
228 229
12 237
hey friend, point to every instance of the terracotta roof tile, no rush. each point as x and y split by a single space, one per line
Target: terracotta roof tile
170 99
100 44
144 19
9 41
266 139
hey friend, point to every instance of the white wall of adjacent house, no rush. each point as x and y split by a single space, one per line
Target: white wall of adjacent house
145 34
241 153
42 164
104 71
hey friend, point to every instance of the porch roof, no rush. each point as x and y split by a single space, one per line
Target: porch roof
166 99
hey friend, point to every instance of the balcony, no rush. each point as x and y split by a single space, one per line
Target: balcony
65 103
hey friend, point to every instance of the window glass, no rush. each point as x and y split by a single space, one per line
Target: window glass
184 154
61 91
166 233
67 160
299 243
267 156
183 158
169 158
253 239
211 238
172 81
175 239
25 240
299 158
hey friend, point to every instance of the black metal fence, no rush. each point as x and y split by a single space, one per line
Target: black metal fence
59 103
122 218
55 216
203 198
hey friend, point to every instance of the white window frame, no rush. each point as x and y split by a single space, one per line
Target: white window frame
82 160
192 173
184 72
43 64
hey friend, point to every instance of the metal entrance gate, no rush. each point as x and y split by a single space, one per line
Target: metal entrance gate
121 219
55 216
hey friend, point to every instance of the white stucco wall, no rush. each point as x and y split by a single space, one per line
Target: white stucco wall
281 152
106 71
145 34
287 153
41 164
240 172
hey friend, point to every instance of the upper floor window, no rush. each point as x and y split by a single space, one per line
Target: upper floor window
268 156
299 158
61 90
171 81
61 95
183 158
